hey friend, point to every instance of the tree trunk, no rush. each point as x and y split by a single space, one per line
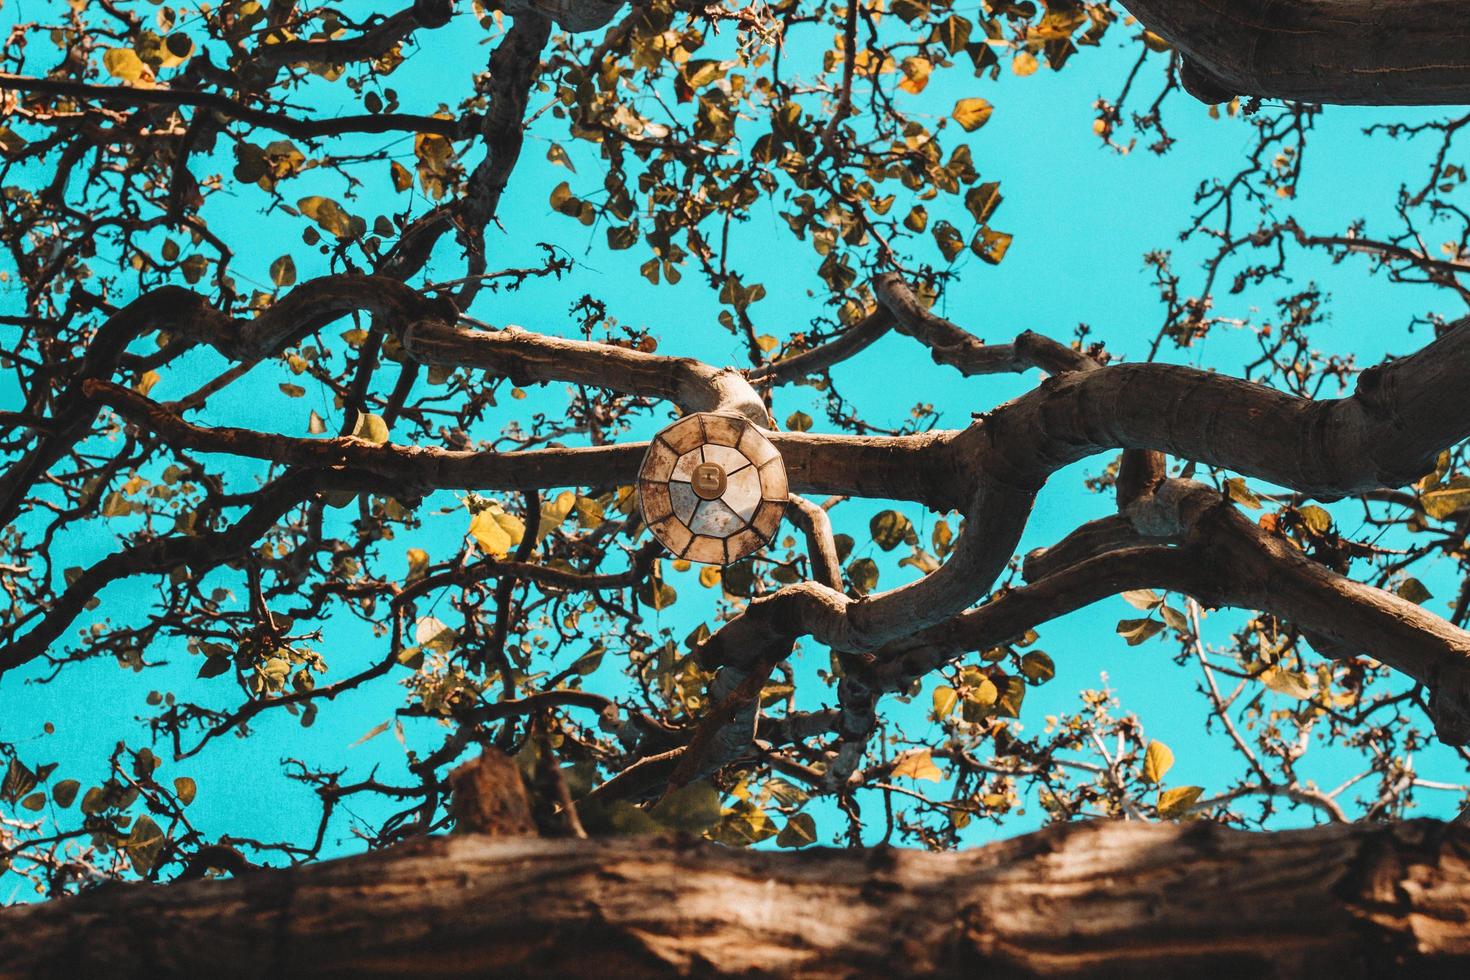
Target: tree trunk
1101 899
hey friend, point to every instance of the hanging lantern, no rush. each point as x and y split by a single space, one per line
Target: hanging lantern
712 488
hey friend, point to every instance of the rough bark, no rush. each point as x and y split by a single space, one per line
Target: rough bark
1354 52
1102 899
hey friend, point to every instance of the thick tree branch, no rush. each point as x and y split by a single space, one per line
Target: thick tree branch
957 347
1073 900
526 358
281 122
1225 560
372 43
1355 52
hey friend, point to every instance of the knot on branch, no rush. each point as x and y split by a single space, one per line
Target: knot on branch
1449 706
488 796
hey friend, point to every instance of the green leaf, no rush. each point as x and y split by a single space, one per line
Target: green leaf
64 793
185 789
1037 667
1315 518
691 808
799 422
1136 631
1008 705
18 782
890 529
144 843
1413 590
863 574
980 689
799 831
283 271
371 427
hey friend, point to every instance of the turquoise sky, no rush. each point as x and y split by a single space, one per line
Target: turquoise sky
1083 217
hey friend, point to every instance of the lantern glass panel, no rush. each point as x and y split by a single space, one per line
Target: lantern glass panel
712 488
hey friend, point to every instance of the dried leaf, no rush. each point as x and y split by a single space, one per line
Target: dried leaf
971 114
918 765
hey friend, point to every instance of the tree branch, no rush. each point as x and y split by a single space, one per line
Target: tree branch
1073 900
1354 52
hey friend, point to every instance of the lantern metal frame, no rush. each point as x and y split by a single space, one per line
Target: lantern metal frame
712 488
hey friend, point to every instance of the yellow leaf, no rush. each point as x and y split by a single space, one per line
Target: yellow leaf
1237 491
402 179
918 765
991 245
1448 500
283 271
709 576
972 113
1177 801
1413 590
146 381
496 532
418 560
1156 43
983 692
1024 64
1287 682
589 512
945 699
371 427
1143 599
1158 759
329 214
915 74
553 512
125 64
766 342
